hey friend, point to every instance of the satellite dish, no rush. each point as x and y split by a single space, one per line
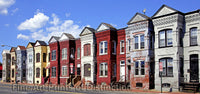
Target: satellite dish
144 11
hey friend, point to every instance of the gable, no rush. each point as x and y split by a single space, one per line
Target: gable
18 48
102 27
29 46
164 10
52 40
138 17
63 37
37 44
85 32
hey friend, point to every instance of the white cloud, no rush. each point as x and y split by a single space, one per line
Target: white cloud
55 20
4 5
7 25
21 36
32 24
54 27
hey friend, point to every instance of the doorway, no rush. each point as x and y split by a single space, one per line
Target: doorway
194 68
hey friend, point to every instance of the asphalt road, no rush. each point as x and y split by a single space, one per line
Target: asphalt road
8 89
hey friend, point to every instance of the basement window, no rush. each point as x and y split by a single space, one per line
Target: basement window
139 85
166 85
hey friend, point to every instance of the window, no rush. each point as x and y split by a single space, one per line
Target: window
167 66
87 70
49 56
103 69
129 45
136 42
64 70
114 69
103 45
165 38
78 53
53 72
53 55
38 57
30 58
113 47
78 69
72 53
30 72
193 36
37 72
64 53
44 57
141 41
87 50
122 47
13 73
139 68
13 60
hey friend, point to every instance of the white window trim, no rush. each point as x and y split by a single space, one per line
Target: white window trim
63 71
65 53
139 69
52 56
139 41
121 47
104 63
103 48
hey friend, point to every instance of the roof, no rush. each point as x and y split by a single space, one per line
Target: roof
69 36
55 37
42 43
85 33
105 26
22 47
142 15
175 11
13 49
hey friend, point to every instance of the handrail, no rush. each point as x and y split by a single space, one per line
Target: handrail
76 79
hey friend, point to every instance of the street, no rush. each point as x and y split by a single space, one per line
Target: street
8 89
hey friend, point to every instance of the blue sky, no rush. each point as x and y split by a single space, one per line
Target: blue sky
22 21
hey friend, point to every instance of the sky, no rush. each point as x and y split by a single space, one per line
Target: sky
23 21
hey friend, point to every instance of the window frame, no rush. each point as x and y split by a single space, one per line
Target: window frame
193 36
53 72
37 57
87 49
103 67
139 68
104 48
166 38
37 73
64 70
64 53
122 46
53 58
78 53
166 67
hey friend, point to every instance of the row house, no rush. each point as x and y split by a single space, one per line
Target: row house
118 48
47 79
13 64
106 58
21 64
55 61
40 49
88 55
168 27
67 58
190 69
30 63
6 65
139 52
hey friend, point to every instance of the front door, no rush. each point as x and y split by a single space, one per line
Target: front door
122 73
194 69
